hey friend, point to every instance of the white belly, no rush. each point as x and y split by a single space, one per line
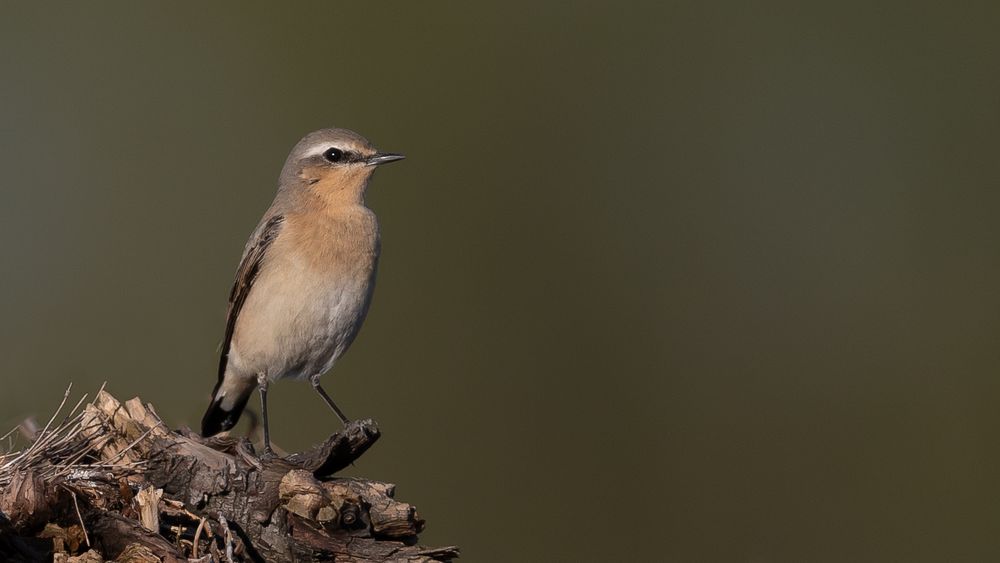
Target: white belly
296 324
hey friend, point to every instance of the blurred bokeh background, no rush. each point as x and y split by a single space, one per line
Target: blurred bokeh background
660 282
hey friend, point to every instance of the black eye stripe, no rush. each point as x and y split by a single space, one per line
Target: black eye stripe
335 155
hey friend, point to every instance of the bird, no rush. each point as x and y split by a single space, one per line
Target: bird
306 278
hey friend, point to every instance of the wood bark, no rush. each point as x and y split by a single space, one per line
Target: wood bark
181 497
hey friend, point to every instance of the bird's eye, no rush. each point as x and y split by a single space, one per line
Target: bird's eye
333 155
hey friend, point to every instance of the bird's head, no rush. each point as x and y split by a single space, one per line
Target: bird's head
334 163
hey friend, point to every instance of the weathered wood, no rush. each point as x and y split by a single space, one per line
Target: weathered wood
29 502
220 501
116 534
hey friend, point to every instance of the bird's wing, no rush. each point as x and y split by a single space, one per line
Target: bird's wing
253 256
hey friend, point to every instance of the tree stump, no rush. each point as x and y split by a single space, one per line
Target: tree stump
113 478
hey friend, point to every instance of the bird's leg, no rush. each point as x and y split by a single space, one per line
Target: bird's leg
329 401
262 386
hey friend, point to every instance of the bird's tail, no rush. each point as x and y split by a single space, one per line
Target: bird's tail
228 401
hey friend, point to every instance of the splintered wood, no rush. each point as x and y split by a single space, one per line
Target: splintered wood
124 487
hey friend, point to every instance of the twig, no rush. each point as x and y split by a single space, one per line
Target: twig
55 414
228 537
86 537
9 434
70 414
42 438
197 536
56 450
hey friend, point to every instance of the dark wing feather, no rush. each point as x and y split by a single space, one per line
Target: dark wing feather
245 276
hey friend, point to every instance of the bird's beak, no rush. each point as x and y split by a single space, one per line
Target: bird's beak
383 158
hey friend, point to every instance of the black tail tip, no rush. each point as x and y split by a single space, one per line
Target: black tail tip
217 419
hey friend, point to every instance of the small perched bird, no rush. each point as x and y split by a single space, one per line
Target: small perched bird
306 278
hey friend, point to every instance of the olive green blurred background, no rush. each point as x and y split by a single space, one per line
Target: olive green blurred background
660 282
